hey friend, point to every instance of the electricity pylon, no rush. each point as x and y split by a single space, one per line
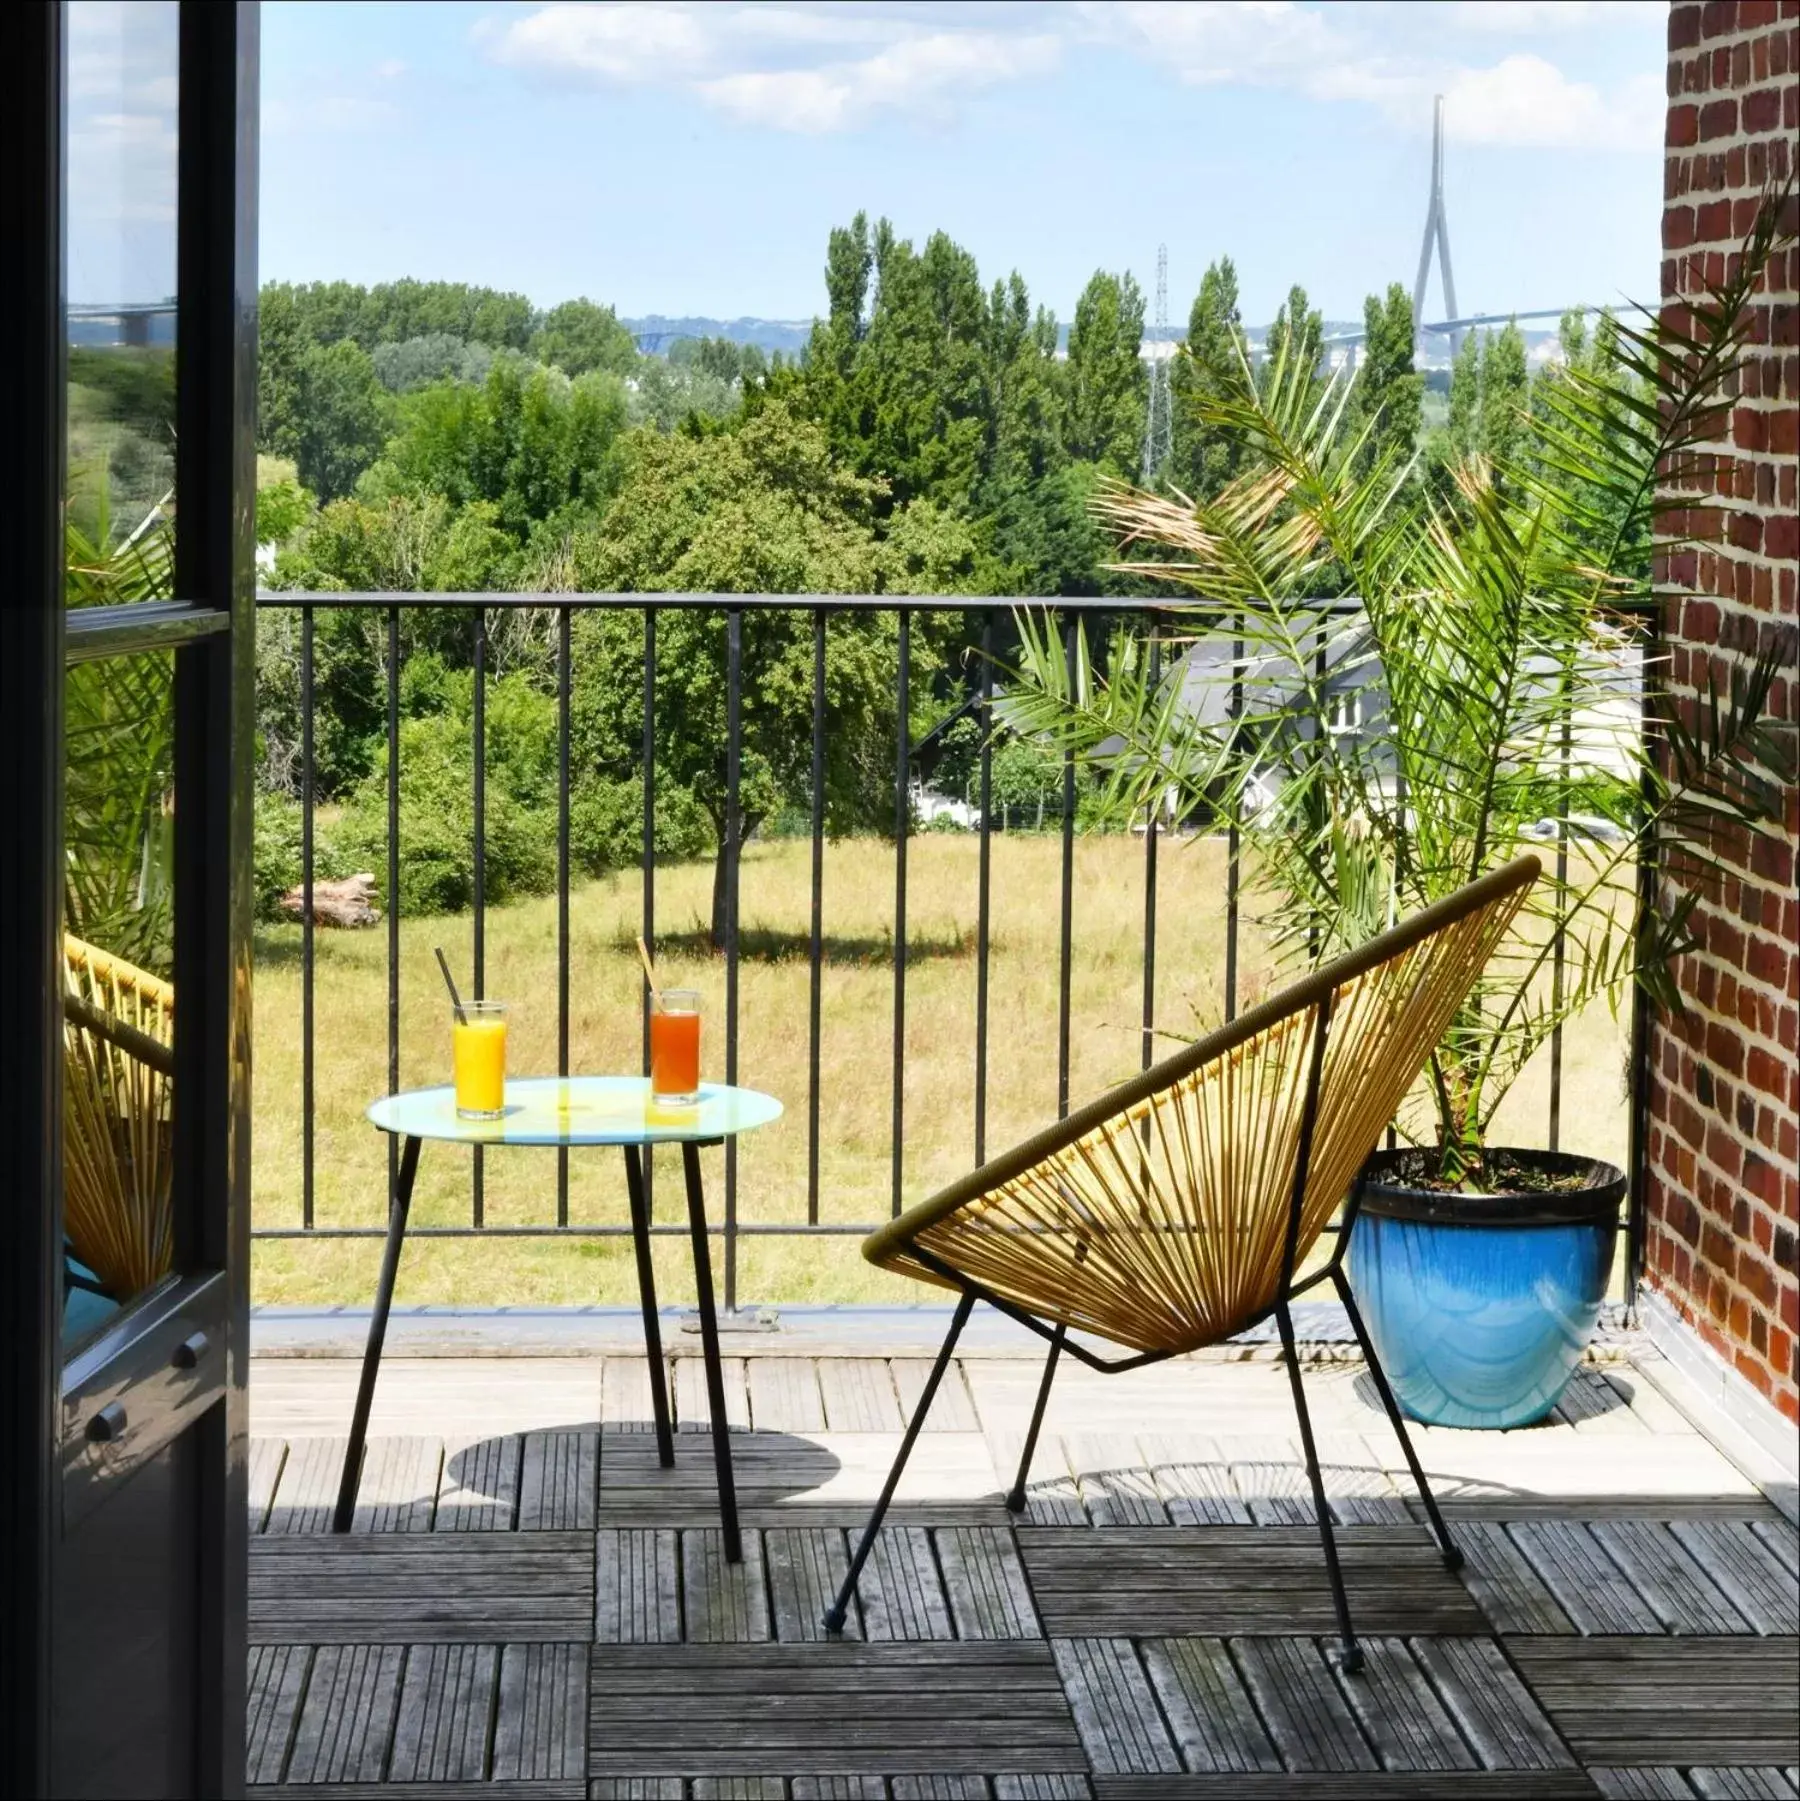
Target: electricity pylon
1159 432
1436 230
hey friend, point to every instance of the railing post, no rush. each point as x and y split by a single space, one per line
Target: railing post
816 920
478 749
983 884
1066 931
564 698
393 887
734 833
902 825
647 872
306 917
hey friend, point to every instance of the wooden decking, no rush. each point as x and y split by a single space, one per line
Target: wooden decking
529 1605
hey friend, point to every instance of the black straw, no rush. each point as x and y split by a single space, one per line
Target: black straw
450 982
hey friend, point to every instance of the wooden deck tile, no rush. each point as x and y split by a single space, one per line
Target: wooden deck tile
1354 1785
348 1716
989 1596
1591 1404
784 1395
637 1586
902 1595
952 1409
693 1410
1040 1788
399 1485
739 1788
839 1788
1496 1711
1051 1497
421 1587
1114 1708
275 1683
1505 1585
723 1603
1677 1590
540 1722
1667 1701
1208 1708
1229 1580
840 1709
1774 1784
806 1566
307 1490
1783 1540
636 1788
1400 1712
1589 1587
267 1455
1643 1785
625 1400
1744 1565
1115 1487
939 1788
558 1479
481 1485
1268 1473
1298 1695
1194 1480
1358 1490
446 1701
859 1395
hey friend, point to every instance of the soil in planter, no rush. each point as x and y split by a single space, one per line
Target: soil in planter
1505 1174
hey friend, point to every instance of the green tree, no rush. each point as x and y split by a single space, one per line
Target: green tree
761 510
529 441
1388 395
579 336
1297 336
1505 396
1105 382
1205 459
338 417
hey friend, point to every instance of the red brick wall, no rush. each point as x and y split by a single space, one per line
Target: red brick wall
1724 1196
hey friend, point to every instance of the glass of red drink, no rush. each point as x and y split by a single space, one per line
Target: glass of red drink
675 1047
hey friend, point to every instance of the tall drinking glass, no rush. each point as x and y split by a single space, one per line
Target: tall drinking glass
675 1047
478 1044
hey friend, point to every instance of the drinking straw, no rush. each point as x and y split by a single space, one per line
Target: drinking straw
462 1019
649 971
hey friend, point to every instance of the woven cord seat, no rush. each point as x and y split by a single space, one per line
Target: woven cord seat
118 1024
1174 1211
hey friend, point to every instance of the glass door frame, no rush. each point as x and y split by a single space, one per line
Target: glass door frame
210 626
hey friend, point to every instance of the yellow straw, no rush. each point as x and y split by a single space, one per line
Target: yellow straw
650 972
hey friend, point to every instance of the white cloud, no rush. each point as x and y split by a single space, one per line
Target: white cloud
833 65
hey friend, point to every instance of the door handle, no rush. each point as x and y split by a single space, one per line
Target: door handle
108 1425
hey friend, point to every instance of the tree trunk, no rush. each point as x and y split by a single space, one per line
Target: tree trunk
730 857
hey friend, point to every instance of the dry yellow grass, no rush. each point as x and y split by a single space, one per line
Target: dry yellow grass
856 1059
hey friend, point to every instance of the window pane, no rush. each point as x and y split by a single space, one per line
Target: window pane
123 69
119 821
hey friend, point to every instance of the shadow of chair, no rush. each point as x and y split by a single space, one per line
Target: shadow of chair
1177 1210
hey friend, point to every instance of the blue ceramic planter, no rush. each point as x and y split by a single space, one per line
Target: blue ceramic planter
1480 1306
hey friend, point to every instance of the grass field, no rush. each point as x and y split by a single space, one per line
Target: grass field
856 1064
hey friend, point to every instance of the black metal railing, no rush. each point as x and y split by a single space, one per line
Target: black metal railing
731 1227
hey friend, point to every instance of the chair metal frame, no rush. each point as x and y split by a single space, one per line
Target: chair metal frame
1316 991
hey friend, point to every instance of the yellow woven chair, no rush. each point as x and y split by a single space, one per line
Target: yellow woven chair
118 1024
1175 1210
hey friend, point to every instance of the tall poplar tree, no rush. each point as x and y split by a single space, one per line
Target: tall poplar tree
1203 460
1104 379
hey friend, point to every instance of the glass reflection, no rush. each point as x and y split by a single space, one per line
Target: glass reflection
122 116
118 1000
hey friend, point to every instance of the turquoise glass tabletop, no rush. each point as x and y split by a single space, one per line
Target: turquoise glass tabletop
570 1110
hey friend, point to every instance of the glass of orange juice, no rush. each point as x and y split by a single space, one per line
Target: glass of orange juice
675 1047
478 1045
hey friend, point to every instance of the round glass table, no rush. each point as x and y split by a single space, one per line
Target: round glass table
565 1112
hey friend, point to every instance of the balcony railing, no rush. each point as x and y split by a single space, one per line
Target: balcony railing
980 704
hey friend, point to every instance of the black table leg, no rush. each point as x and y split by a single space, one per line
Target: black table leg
646 1271
384 1298
709 1339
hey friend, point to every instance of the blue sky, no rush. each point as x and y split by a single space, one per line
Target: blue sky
685 159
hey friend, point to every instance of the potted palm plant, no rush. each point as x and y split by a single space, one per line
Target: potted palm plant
1497 649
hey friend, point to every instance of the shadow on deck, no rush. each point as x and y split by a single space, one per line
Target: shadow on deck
530 1605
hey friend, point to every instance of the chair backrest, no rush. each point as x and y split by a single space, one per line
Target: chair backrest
118 1023
1157 1216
